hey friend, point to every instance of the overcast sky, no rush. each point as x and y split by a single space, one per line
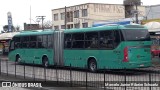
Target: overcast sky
20 9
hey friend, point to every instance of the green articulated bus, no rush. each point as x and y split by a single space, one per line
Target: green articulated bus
112 47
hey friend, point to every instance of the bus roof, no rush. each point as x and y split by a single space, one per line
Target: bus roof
100 28
35 32
108 27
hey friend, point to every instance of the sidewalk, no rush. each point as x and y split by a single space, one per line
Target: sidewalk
4 77
2 57
156 61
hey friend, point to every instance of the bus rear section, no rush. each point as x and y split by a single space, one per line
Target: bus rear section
136 48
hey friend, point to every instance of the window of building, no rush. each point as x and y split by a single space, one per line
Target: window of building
69 16
84 12
62 16
69 26
84 25
67 40
77 25
76 14
91 40
55 17
62 26
56 27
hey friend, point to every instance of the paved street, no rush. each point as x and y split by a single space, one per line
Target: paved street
35 72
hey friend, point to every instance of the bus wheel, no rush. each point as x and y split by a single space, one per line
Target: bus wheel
45 62
92 65
18 59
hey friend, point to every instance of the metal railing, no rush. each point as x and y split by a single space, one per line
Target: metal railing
116 79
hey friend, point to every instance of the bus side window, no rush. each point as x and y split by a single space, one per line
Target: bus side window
78 40
39 39
106 39
33 40
91 40
24 42
118 38
67 41
44 41
50 42
12 46
17 42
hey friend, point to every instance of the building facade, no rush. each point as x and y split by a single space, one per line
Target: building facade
84 15
31 26
152 12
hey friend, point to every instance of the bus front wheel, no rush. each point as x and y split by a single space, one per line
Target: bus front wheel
92 65
18 59
45 62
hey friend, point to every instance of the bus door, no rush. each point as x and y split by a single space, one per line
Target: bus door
58 48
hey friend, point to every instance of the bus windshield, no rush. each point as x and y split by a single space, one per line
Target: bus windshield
136 35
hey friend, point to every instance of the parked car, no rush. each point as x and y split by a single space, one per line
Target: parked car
155 53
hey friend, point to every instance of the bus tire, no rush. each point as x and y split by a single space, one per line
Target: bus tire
18 59
92 65
45 62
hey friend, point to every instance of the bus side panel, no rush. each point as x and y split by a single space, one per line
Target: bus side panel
108 60
29 55
75 58
12 54
79 58
38 55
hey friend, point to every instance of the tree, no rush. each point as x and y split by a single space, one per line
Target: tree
17 28
47 24
5 28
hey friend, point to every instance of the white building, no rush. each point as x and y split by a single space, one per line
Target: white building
84 15
152 12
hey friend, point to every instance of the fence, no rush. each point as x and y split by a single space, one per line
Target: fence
122 79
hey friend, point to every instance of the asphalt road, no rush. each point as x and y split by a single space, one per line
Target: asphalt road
35 72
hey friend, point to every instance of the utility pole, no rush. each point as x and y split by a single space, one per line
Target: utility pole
137 3
65 20
136 12
42 18
38 20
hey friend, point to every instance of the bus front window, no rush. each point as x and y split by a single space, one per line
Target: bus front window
136 35
11 47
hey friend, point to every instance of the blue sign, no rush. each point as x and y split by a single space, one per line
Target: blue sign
105 23
9 22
